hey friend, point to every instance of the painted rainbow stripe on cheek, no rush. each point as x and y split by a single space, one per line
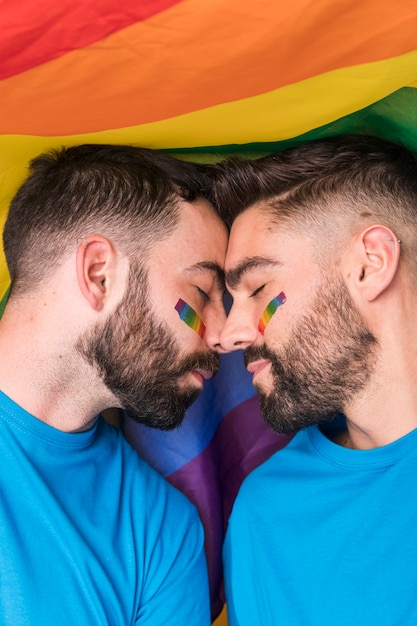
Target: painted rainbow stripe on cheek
270 310
190 317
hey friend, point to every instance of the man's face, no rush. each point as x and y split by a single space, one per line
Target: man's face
316 352
150 358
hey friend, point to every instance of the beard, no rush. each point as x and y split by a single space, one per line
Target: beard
327 360
140 361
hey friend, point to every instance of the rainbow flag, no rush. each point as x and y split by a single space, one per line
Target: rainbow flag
202 79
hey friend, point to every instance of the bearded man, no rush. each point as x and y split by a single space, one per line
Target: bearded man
116 261
322 267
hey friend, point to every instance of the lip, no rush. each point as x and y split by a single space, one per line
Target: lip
202 375
256 367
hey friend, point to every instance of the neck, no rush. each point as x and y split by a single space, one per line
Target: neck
386 409
41 371
382 413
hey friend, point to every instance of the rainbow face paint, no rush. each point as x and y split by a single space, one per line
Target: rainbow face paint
190 317
270 310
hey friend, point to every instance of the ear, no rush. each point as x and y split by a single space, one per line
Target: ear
95 261
376 254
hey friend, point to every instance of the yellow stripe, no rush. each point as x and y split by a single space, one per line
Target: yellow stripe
284 113
275 116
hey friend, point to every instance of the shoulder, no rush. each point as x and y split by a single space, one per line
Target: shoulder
146 491
165 534
274 477
298 445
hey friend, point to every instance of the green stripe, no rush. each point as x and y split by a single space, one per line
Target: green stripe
3 301
394 118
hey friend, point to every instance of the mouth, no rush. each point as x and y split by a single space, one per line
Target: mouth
202 375
255 367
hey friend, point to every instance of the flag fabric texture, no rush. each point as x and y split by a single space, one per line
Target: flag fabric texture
202 79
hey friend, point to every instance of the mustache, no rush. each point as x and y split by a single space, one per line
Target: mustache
205 361
256 353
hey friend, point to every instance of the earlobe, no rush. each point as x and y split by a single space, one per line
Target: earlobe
93 259
378 254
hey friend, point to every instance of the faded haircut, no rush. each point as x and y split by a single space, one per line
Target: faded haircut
130 195
328 189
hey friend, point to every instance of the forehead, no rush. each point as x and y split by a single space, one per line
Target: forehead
200 229
253 233
258 244
199 237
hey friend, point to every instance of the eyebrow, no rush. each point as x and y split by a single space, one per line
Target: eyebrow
208 266
234 275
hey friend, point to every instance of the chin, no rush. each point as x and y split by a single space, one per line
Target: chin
263 388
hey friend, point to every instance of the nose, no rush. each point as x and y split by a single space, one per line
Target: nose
238 332
214 325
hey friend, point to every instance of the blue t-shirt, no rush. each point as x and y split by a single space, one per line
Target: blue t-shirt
322 535
90 534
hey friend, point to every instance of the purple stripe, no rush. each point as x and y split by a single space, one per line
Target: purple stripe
199 481
212 479
244 441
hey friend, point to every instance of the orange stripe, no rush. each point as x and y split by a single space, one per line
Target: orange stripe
198 54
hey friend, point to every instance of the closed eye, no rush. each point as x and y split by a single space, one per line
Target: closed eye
257 291
203 294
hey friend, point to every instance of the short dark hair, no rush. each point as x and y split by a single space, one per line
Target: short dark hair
129 194
313 186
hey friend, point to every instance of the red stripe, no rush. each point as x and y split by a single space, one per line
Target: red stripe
34 32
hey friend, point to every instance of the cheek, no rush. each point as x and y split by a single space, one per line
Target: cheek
184 321
190 317
270 310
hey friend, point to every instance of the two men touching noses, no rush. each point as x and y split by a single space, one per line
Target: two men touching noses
116 256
